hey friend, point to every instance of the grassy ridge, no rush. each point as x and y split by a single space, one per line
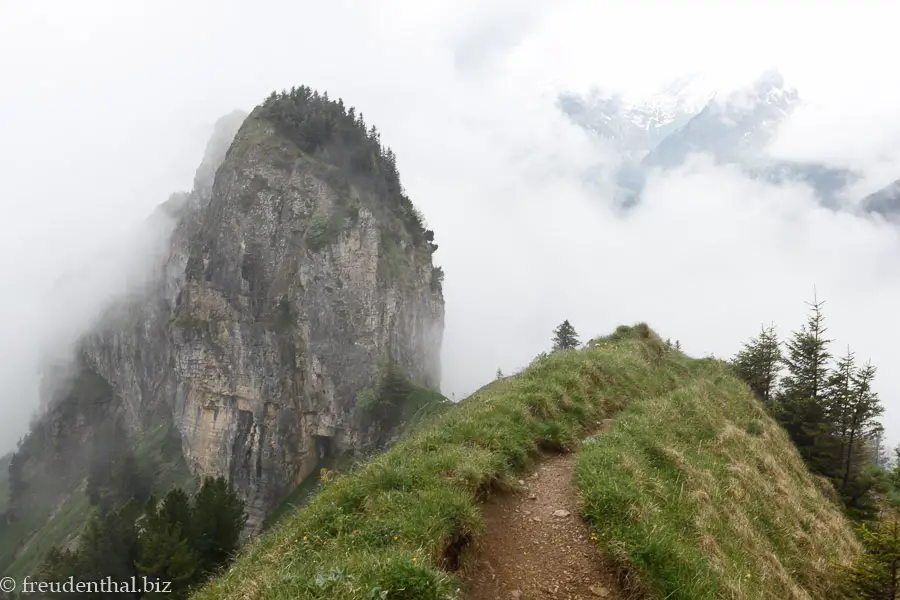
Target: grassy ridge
696 493
701 495
394 527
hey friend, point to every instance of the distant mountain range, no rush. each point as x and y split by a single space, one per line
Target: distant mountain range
637 126
688 117
885 201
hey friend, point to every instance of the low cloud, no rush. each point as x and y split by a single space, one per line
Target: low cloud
519 197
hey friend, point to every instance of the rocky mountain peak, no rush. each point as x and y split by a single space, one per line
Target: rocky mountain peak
224 130
296 272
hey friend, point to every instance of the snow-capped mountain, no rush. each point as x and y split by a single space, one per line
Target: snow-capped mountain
688 117
675 102
636 125
734 128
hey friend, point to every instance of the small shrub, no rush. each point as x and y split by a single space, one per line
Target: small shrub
322 231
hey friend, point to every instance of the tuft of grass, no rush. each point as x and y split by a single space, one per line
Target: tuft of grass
398 526
698 494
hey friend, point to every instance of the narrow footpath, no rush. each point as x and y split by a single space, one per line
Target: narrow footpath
536 546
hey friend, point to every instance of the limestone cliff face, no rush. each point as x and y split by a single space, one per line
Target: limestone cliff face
282 293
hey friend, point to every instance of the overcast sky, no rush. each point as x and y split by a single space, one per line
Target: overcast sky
105 107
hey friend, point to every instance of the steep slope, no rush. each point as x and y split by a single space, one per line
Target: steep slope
409 523
699 494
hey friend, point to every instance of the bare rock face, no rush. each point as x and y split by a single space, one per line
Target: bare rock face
264 323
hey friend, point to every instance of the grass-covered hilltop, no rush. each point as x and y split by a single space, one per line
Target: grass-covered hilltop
695 493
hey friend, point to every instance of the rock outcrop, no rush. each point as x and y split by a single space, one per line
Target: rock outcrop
284 290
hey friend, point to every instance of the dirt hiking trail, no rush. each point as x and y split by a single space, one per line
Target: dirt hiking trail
535 545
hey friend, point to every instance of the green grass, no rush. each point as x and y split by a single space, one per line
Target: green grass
322 231
65 524
393 527
695 494
421 406
698 494
309 486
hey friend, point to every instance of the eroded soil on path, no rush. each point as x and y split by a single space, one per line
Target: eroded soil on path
535 545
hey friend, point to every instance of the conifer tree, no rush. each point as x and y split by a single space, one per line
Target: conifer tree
108 548
499 373
803 409
807 358
58 565
876 574
758 363
217 519
175 510
564 337
165 551
864 408
895 468
840 391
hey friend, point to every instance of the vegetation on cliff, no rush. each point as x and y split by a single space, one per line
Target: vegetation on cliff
332 142
397 404
402 524
341 150
326 128
181 540
77 459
